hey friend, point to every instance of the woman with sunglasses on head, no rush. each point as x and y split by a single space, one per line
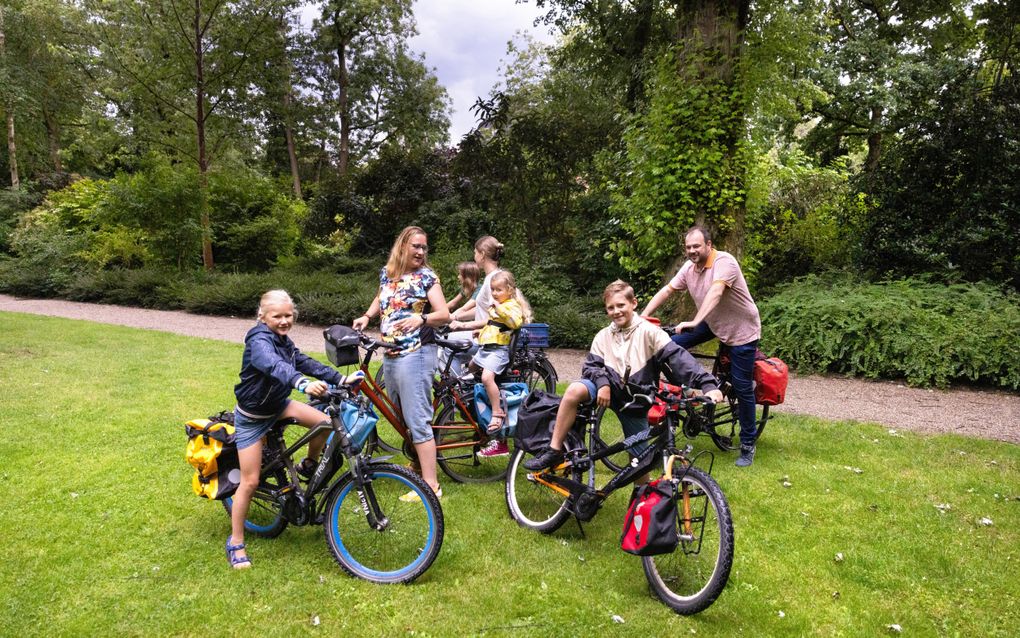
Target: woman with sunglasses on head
410 303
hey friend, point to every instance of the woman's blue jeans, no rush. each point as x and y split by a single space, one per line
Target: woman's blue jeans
741 375
409 386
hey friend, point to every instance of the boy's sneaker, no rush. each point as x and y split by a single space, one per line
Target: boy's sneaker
746 456
546 459
494 449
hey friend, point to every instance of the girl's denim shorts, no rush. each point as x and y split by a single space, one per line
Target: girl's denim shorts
492 357
248 431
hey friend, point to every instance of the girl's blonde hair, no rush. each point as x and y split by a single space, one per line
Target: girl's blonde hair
274 298
508 280
396 265
619 287
469 275
490 247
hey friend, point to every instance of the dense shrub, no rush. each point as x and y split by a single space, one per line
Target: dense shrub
148 288
927 333
797 216
254 223
573 323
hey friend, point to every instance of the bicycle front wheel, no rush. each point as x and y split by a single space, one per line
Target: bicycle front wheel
400 541
690 578
532 503
463 453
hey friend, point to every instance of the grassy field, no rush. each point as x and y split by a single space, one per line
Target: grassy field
842 529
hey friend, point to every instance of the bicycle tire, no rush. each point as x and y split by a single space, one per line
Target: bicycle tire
532 504
606 433
265 513
689 579
463 463
537 372
411 539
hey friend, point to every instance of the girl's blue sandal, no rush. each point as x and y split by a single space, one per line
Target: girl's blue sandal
237 562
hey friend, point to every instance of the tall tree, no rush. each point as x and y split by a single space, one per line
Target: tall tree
186 64
684 159
10 90
365 74
880 64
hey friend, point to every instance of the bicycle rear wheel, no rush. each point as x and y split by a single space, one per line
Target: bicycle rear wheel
459 447
265 512
690 578
407 538
531 503
536 372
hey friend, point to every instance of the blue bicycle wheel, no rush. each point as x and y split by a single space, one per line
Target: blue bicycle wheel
404 538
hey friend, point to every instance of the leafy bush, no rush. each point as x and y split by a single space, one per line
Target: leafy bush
147 288
573 323
797 217
254 223
928 333
231 294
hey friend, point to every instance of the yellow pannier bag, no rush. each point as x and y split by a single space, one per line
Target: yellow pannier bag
212 452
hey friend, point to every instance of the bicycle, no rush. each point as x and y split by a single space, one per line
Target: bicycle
458 435
726 423
721 427
690 578
370 533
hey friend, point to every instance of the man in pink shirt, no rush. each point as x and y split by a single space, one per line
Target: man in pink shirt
725 311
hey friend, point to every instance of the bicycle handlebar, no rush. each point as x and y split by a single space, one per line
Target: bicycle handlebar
368 343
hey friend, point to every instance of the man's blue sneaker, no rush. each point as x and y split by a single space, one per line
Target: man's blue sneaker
746 456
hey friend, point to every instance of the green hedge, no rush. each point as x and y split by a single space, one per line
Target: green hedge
928 333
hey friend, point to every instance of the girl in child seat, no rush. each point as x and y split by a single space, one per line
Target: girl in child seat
507 314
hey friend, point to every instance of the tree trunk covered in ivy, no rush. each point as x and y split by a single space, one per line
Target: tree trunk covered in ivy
685 158
711 37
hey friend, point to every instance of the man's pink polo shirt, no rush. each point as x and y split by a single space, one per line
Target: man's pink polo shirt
735 319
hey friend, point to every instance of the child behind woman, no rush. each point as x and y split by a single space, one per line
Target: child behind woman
509 311
468 275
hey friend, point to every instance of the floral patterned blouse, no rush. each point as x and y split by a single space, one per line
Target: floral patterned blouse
400 298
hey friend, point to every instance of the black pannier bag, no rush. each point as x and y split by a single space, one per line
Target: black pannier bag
535 421
342 345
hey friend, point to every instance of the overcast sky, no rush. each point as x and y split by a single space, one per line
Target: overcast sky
465 42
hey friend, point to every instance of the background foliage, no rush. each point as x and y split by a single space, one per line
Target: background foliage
877 138
930 333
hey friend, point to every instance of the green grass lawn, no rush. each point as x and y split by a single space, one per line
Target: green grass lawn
841 529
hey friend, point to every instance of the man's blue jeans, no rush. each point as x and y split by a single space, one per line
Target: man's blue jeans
741 375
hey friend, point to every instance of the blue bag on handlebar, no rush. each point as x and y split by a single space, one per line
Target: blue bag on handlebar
511 396
359 418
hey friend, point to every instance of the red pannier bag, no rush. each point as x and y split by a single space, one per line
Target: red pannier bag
770 378
651 524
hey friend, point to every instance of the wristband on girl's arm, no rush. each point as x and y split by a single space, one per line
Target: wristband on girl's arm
302 384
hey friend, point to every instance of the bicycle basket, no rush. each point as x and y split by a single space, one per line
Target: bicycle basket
342 345
534 335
